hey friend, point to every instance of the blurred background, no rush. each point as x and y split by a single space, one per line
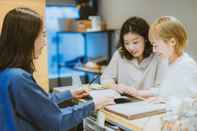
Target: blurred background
82 33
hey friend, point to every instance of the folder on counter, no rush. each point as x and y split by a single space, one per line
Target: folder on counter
137 110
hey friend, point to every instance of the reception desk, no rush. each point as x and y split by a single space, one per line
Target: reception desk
150 123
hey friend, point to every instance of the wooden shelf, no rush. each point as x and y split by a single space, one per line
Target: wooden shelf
90 70
86 32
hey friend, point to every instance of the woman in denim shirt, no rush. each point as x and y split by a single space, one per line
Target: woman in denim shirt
24 105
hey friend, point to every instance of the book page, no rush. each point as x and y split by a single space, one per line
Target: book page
104 93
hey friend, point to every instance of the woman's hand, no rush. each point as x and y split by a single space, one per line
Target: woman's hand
123 89
156 99
79 94
101 101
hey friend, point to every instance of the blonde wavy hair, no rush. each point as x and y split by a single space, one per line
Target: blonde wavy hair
168 27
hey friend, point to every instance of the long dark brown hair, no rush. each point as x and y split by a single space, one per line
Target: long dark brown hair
138 26
21 27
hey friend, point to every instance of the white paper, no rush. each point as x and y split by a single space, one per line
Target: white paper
105 93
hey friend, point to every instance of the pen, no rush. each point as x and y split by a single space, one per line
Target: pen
95 78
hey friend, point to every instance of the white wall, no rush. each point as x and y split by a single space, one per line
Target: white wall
115 12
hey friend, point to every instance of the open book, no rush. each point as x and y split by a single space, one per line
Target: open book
136 110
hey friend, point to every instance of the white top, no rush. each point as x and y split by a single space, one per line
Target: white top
142 75
180 79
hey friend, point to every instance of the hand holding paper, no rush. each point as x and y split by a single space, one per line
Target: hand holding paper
103 98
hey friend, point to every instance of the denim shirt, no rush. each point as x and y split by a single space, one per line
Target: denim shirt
25 106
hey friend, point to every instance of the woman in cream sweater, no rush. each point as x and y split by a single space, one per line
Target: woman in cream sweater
169 39
134 66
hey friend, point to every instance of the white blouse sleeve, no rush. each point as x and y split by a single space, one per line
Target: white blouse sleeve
110 74
161 69
192 83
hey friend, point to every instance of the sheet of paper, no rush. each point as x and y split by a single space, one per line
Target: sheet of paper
105 93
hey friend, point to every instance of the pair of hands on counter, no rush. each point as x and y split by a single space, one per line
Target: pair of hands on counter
144 94
131 91
124 89
99 101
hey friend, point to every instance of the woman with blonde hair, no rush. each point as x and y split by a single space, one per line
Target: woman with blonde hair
169 39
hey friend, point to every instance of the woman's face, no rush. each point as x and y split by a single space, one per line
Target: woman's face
134 44
39 45
163 48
